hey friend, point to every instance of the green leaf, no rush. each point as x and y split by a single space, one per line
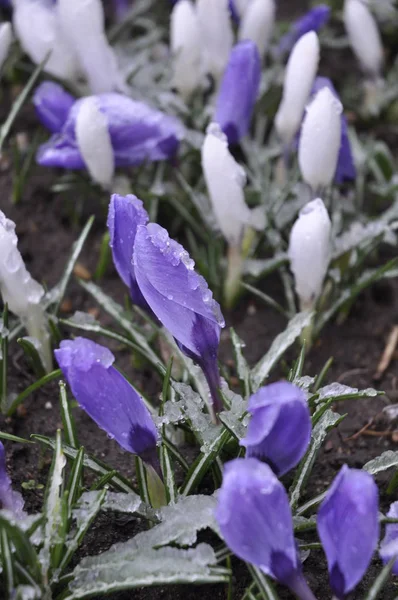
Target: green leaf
258 268
53 513
58 292
33 355
328 421
75 479
202 464
142 483
127 567
24 550
381 581
14 438
95 465
32 388
4 333
336 392
116 312
268 300
104 257
278 347
383 462
241 364
263 584
67 417
7 562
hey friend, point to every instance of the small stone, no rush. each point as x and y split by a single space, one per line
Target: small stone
66 306
94 312
251 310
82 272
394 436
21 410
48 406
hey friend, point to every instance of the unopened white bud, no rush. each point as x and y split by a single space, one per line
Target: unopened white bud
20 291
225 180
241 6
186 47
258 23
364 36
299 78
83 22
94 141
216 34
5 41
310 251
320 140
38 30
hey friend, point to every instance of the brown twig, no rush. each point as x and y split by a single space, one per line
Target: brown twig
388 354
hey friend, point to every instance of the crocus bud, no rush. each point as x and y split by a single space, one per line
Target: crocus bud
389 545
225 180
180 299
107 397
5 41
348 526
186 47
280 428
216 35
39 32
52 104
320 140
238 91
9 499
258 23
313 20
20 291
299 78
83 23
137 132
309 251
255 520
364 36
345 169
124 217
94 142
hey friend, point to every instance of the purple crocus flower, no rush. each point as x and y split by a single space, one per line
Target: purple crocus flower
124 216
345 169
348 526
255 520
9 499
138 133
108 397
180 299
389 545
52 104
238 91
121 7
280 428
313 20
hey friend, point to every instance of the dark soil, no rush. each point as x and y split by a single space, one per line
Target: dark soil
46 236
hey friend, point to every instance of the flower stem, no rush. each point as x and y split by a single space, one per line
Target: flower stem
234 275
301 589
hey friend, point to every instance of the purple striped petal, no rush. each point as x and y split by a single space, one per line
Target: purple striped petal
180 298
238 91
9 499
313 20
280 428
389 545
107 397
52 104
348 526
138 134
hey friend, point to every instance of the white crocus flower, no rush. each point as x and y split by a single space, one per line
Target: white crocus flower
258 23
310 251
241 6
5 41
38 30
186 47
225 180
20 291
299 78
83 22
320 140
94 142
364 36
216 34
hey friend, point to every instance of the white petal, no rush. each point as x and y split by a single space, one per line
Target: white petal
83 23
225 180
38 29
364 36
241 6
258 23
186 47
320 140
216 33
94 142
309 250
299 78
5 41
